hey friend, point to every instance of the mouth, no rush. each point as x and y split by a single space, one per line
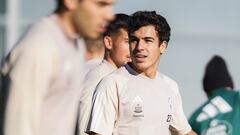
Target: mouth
102 27
140 57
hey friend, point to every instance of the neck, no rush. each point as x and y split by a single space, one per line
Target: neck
109 59
90 56
67 25
149 72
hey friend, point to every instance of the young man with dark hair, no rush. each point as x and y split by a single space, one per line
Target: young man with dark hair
44 68
116 54
220 114
136 99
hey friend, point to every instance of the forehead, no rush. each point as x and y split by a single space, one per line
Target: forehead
146 31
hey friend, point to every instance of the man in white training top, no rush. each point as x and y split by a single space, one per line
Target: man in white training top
136 99
116 54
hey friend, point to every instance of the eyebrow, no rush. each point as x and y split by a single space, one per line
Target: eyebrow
147 38
105 3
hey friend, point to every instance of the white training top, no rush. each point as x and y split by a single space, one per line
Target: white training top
45 71
128 103
90 64
90 82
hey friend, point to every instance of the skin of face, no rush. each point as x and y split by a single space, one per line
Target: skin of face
117 48
146 49
90 17
120 48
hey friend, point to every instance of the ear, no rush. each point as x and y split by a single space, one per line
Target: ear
163 47
71 4
107 40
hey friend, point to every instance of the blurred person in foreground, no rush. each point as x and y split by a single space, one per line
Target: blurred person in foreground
136 99
43 72
220 115
117 53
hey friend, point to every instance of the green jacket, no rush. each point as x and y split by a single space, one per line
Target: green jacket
220 115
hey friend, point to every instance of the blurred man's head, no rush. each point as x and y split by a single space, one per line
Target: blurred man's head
216 76
149 34
116 41
87 17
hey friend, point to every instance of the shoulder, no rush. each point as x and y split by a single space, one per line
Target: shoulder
35 45
115 80
45 25
41 33
116 77
167 79
172 84
97 72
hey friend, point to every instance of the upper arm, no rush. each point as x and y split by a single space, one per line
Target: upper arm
179 121
104 108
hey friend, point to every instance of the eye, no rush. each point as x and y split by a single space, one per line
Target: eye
102 3
149 40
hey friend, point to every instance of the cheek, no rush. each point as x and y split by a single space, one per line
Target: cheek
155 54
90 14
126 48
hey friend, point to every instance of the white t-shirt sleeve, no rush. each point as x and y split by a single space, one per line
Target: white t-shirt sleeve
104 108
89 86
179 120
30 73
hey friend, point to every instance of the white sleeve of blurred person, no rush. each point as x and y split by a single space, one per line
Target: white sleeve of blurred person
30 72
179 125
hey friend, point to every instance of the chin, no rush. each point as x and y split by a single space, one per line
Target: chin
140 67
93 35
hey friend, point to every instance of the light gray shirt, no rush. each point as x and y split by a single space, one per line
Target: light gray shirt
45 71
90 82
128 103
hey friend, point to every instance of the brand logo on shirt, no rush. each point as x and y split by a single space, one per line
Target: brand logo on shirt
137 99
218 127
138 109
216 106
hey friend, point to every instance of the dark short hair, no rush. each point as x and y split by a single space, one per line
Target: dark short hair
216 75
120 21
145 18
60 6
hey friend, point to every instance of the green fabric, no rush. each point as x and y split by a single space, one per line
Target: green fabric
205 122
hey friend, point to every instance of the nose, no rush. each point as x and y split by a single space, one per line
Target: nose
140 45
